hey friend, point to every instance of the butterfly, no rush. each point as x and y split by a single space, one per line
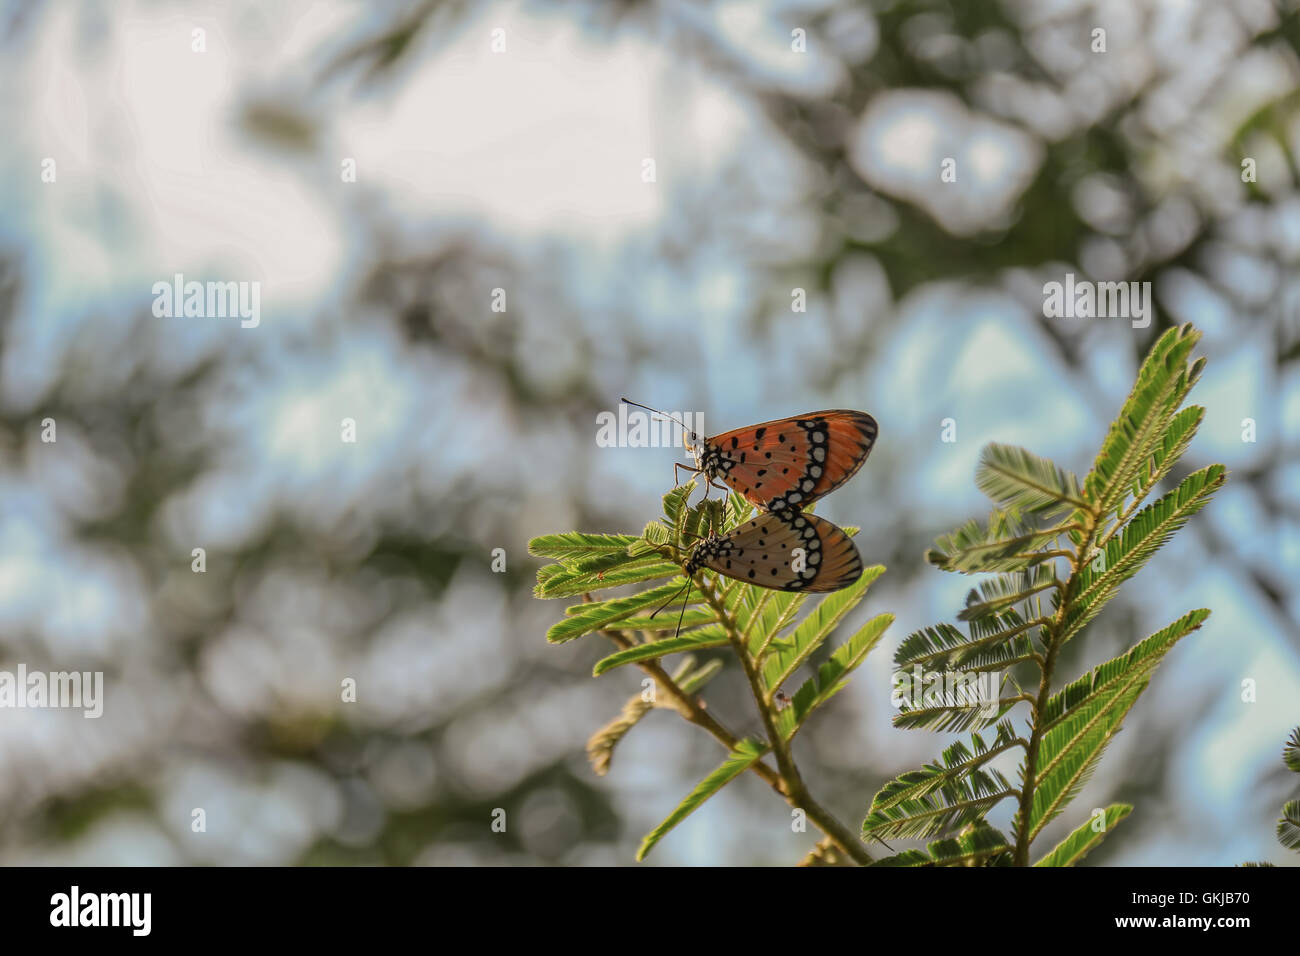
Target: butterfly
785 550
787 463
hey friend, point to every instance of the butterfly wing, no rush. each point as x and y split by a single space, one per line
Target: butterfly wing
790 462
762 551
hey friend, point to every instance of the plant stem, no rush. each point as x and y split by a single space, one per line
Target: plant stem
795 790
693 711
1031 759
1053 646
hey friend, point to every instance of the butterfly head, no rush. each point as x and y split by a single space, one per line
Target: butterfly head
694 443
706 550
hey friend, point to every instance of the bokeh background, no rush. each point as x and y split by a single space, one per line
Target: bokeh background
521 169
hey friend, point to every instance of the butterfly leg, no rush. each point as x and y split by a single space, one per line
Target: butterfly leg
677 465
710 483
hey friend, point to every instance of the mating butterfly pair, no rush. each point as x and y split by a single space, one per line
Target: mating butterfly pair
781 466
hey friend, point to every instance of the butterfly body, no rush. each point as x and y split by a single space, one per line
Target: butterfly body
789 462
785 550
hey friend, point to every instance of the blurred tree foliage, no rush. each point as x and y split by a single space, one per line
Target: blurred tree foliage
1115 126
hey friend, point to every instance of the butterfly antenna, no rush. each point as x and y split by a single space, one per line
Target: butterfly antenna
657 412
682 616
670 600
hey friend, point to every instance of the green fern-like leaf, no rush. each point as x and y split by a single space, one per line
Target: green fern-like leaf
946 701
978 845
655 535
703 520
784 659
693 641
593 617
1127 553
699 676
1018 479
1004 544
1288 826
1006 591
666 621
1291 752
1178 436
676 510
832 676
1075 846
995 643
768 619
737 762
1140 430
576 545
558 580
1081 720
954 764
961 801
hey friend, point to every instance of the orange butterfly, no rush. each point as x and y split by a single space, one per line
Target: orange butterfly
786 463
784 550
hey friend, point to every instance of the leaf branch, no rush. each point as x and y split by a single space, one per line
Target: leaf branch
792 787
